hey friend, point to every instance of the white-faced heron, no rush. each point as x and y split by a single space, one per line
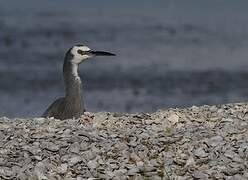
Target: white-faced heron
72 104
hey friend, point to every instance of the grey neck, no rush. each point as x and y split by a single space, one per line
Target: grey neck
73 86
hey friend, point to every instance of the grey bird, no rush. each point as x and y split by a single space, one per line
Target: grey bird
72 105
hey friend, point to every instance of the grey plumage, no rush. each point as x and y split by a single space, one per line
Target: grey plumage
72 105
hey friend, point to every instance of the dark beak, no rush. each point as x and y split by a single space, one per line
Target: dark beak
101 53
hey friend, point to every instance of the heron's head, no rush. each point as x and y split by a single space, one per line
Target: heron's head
79 53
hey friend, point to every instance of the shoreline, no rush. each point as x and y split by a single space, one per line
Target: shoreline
197 142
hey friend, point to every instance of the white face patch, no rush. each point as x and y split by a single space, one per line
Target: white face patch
78 58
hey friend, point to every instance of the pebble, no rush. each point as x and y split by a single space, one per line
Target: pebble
133 171
50 146
92 164
62 168
173 119
6 172
215 141
200 175
200 153
75 148
207 142
74 160
190 161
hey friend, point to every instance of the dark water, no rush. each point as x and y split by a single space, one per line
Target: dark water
169 53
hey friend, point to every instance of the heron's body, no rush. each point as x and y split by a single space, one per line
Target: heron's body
72 105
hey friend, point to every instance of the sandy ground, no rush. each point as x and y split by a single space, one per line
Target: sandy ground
207 142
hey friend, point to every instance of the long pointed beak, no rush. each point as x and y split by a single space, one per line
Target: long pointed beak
101 53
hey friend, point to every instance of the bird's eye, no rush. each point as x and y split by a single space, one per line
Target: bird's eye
80 52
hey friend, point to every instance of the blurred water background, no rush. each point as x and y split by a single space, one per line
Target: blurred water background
170 53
